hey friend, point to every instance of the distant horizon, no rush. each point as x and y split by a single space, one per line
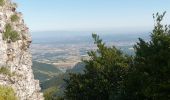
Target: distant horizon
93 15
80 37
53 33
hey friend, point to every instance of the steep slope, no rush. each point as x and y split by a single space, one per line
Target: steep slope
44 72
15 57
58 83
78 68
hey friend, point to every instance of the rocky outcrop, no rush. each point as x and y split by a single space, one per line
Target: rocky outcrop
15 54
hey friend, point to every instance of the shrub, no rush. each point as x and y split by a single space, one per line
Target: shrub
4 70
7 93
14 18
2 2
49 93
10 33
15 5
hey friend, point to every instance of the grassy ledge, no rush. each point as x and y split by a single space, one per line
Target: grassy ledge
7 93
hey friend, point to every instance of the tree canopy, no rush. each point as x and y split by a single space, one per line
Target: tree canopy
112 75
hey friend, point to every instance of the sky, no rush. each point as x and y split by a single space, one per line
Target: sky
92 15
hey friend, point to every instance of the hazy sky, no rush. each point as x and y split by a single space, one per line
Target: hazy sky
92 15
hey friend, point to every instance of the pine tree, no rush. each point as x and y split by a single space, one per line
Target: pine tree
103 77
111 75
149 77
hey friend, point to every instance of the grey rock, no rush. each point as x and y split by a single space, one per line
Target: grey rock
17 57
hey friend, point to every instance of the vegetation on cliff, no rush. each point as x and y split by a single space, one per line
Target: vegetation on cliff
15 59
6 71
2 2
7 93
10 34
14 18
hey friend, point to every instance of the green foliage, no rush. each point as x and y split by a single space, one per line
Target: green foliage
103 75
5 71
49 94
10 33
2 2
149 77
14 18
7 93
111 75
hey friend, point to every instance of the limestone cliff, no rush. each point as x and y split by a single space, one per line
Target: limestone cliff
15 54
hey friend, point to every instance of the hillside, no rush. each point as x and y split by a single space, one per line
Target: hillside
44 72
58 81
78 68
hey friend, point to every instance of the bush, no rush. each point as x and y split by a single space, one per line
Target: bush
7 93
5 71
2 2
49 93
10 33
15 5
14 18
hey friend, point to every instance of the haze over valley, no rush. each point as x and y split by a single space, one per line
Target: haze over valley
64 51
84 50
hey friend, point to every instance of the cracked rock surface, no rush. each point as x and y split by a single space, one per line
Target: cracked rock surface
15 54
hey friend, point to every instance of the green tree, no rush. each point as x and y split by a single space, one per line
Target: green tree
103 75
111 75
149 77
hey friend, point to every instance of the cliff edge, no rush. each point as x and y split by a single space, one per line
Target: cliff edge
15 57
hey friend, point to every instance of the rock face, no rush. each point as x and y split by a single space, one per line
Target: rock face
15 54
